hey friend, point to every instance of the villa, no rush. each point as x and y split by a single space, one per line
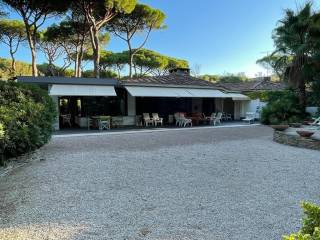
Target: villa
127 100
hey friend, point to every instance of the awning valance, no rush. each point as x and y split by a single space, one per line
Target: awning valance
237 96
206 93
136 91
81 90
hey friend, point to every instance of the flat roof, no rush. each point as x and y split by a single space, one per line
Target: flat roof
68 80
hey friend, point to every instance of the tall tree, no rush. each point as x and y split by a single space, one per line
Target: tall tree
34 13
142 19
53 50
12 33
98 13
292 39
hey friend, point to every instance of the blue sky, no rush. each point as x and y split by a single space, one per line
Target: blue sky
221 36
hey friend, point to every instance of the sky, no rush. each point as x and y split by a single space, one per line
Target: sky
219 36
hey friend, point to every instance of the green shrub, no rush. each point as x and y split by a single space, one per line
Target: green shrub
26 117
282 108
310 224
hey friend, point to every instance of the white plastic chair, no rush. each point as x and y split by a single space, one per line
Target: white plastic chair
185 121
177 118
156 119
147 120
211 118
316 122
217 118
249 117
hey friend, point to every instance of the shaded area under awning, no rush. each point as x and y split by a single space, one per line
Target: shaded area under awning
81 90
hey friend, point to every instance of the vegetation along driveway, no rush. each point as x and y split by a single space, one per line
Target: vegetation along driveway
228 183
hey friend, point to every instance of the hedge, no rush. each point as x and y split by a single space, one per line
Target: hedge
26 117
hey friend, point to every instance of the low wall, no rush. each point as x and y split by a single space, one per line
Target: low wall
296 140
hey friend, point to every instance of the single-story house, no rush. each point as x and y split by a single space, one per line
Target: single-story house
126 100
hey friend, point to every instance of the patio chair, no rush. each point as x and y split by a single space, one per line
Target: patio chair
228 117
249 117
157 119
66 119
223 117
211 118
185 121
316 122
104 123
89 123
147 120
217 118
177 117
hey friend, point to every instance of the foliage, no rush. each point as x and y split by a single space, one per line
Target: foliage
281 108
277 63
98 13
26 117
53 70
310 224
12 33
314 94
22 68
262 95
211 78
297 37
34 13
104 74
142 19
226 78
146 62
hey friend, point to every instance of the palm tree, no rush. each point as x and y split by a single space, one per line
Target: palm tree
293 38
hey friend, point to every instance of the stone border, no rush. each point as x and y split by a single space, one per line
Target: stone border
18 162
295 140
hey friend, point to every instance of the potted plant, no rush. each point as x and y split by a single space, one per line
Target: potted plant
279 125
305 133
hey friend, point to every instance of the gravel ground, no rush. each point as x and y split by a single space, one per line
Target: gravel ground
229 183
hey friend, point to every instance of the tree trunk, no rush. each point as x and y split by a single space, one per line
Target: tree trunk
13 64
32 45
96 51
302 95
130 58
80 60
76 64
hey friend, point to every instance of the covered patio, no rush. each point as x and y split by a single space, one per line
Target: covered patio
170 100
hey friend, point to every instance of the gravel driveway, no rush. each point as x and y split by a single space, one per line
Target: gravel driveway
228 183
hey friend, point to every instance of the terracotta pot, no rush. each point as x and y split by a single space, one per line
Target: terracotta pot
280 127
305 134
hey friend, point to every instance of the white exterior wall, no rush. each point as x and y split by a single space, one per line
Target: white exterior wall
253 106
56 125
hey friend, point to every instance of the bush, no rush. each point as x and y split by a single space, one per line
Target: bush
26 117
310 224
282 108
